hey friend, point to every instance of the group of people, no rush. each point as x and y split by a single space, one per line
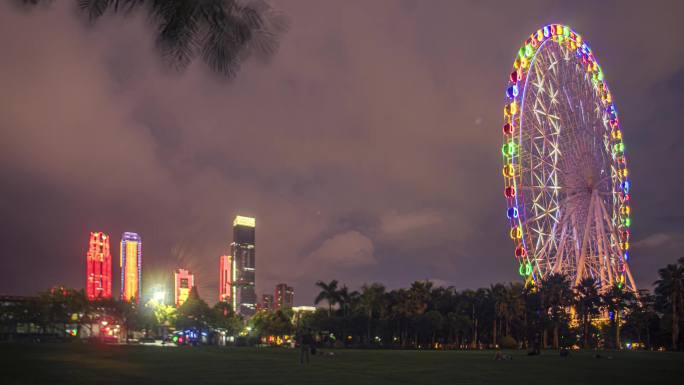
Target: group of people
307 346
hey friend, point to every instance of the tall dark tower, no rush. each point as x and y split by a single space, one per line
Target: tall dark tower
242 251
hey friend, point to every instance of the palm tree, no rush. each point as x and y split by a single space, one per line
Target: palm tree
222 32
533 319
400 312
515 305
372 301
476 301
459 324
419 296
617 299
587 302
556 296
670 290
348 300
328 293
641 314
497 295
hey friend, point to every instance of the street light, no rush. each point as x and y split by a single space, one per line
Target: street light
159 296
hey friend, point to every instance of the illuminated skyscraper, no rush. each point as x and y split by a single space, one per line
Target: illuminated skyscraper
225 278
131 267
284 297
243 295
98 267
183 282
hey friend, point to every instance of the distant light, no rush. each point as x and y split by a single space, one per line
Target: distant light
159 296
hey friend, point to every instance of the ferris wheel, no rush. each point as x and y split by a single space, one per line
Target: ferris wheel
564 164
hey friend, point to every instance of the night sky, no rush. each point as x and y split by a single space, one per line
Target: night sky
367 148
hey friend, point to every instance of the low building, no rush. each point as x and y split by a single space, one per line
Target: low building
267 302
283 297
184 280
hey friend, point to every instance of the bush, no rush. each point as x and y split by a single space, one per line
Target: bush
508 342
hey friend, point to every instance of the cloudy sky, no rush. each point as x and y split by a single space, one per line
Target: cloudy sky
368 147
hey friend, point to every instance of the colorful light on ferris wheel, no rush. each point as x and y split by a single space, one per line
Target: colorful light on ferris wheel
512 91
516 233
509 192
508 149
512 213
520 251
509 170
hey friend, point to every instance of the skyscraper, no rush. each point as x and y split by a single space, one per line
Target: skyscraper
284 297
225 278
98 267
131 267
243 295
183 282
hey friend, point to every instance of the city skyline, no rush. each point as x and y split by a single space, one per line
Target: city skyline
99 271
351 176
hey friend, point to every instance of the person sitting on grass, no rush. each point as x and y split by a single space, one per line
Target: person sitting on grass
500 356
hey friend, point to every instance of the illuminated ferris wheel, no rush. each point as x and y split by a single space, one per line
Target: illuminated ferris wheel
565 170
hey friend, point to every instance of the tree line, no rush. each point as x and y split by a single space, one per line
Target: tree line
554 312
64 313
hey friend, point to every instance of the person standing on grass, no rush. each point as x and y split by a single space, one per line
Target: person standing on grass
305 344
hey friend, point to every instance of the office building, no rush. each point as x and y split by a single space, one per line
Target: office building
284 297
242 251
225 278
183 282
130 262
267 301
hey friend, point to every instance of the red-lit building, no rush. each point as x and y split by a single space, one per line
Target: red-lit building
184 281
284 297
98 267
225 278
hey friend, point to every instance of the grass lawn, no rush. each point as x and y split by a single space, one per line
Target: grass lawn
81 364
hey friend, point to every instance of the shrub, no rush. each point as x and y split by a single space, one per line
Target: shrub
508 342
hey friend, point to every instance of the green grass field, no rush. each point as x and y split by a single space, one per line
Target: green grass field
81 364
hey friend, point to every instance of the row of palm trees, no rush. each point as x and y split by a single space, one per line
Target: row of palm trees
553 313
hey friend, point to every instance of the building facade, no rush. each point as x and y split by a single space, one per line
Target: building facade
225 278
283 296
183 280
98 267
242 250
267 301
130 262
